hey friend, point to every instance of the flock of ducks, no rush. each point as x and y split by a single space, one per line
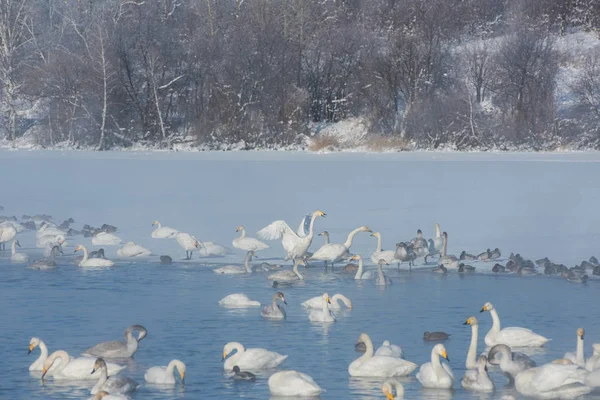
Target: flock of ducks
570 376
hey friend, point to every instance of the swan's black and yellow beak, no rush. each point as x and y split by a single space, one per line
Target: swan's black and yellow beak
224 356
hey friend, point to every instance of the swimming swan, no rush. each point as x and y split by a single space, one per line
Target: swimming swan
164 375
552 381
47 262
388 388
73 368
333 252
513 336
510 363
238 300
360 275
236 269
116 384
434 374
253 359
294 243
577 357
382 279
163 232
293 383
316 302
17 257
92 262
323 315
130 249
247 243
478 379
378 366
106 239
38 364
287 275
274 310
118 348
387 255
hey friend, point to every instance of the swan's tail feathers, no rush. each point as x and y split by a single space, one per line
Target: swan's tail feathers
274 231
304 226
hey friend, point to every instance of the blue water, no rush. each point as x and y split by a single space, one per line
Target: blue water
72 309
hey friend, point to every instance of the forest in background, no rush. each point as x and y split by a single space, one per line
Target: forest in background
270 73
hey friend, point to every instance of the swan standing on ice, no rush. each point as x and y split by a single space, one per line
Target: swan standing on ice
287 275
163 232
577 357
436 245
188 242
435 374
478 379
388 388
323 315
360 275
382 279
117 348
510 363
513 336
247 243
294 243
274 310
17 257
116 384
92 262
449 261
334 252
238 300
293 383
253 359
317 302
130 249
387 255
73 368
236 269
371 365
7 233
47 262
106 239
164 375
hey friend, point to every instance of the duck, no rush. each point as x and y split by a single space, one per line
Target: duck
316 302
478 379
513 336
73 368
17 257
464 256
389 387
252 359
236 269
370 365
387 255
360 275
165 259
510 363
295 244
47 262
130 249
118 348
485 255
497 268
435 336
188 242
382 279
274 311
462 268
242 375
287 275
293 383
106 239
238 300
164 375
247 243
440 269
334 252
163 232
434 374
495 254
116 384
92 262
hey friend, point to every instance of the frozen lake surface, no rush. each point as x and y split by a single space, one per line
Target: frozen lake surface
535 204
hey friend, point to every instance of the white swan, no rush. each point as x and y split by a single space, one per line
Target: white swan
287 275
334 252
38 364
130 249
118 348
325 234
116 384
388 388
106 239
47 229
237 269
49 241
577 357
293 383
73 368
478 379
593 379
387 255
323 315
449 261
17 257
513 336
378 366
188 242
104 395
247 243
382 279
253 359
210 249
238 300
434 374
164 375
317 302
163 232
510 363
552 381
389 350
295 244
274 310
593 362
92 262
360 275
472 362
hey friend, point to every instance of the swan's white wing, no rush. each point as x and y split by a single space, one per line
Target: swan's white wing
301 232
517 336
553 376
275 230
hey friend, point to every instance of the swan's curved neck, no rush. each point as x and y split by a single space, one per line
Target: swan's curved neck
359 272
579 355
85 254
380 273
311 230
379 243
43 352
495 321
472 353
437 231
338 297
350 237
247 263
64 360
326 235
275 307
132 342
445 237
295 269
506 358
325 307
399 390
243 233
368 350
437 364
101 379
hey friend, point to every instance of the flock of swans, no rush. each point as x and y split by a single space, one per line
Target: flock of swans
568 377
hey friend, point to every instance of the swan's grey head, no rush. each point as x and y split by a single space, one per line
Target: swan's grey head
445 234
99 364
402 244
275 284
143 332
236 369
388 387
487 307
471 321
324 233
33 343
499 350
280 296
